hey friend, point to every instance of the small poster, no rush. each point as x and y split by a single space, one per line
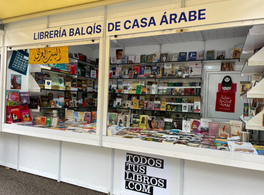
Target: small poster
15 81
19 62
153 171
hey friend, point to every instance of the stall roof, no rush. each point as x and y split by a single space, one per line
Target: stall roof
11 11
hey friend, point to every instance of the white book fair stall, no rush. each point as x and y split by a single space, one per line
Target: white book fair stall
163 101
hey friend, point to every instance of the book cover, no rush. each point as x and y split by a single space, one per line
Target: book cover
126 120
150 123
136 68
93 74
142 58
43 121
246 110
143 90
195 70
135 103
156 57
163 105
156 105
138 90
81 116
220 55
131 59
25 115
184 107
186 126
124 59
34 102
205 124
197 107
210 55
177 123
54 121
135 120
150 105
149 58
45 101
76 116
34 120
244 87
112 118
38 120
237 51
55 79
87 117
16 81
113 60
164 57
174 57
224 130
142 70
24 98
167 69
126 72
154 70
147 71
131 74
168 107
182 56
200 55
93 117
48 84
128 104
120 120
159 123
143 122
236 128
167 123
192 56
39 77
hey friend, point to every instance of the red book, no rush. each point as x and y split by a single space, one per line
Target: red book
73 69
43 121
187 91
137 69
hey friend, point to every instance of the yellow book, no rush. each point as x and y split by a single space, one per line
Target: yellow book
38 121
143 122
135 103
81 116
163 106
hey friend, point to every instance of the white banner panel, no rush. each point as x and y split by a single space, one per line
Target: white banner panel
145 175
49 35
215 13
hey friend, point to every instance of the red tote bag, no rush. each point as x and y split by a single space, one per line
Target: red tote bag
225 101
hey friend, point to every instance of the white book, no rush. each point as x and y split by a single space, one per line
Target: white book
205 124
195 70
186 126
236 127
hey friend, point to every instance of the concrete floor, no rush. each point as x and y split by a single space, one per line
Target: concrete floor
13 182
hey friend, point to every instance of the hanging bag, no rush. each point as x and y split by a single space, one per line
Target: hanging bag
225 99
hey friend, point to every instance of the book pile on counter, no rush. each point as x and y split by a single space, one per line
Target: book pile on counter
194 133
80 122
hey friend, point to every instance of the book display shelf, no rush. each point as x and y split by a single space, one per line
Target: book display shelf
156 99
54 98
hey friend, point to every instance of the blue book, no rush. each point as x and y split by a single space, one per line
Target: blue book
141 70
76 116
182 56
192 56
34 120
124 59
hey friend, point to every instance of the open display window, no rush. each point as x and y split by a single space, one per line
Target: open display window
53 100
159 93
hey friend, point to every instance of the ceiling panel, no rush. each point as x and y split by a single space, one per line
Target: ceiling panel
184 37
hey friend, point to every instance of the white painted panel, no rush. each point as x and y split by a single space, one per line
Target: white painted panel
140 6
213 80
86 166
39 156
208 179
183 47
8 150
119 156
